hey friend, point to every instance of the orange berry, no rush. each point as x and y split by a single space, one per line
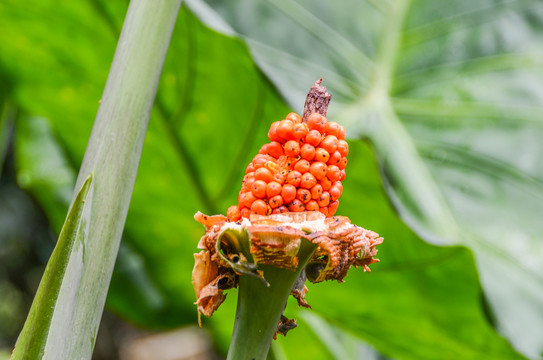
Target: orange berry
316 191
325 183
245 212
303 195
335 158
324 210
332 208
336 190
250 168
341 135
272 133
275 149
324 199
294 117
296 206
259 160
264 174
292 148
308 180
264 149
333 128
299 131
333 173
317 121
343 147
233 213
343 175
241 195
312 205
258 189
322 155
288 193
313 137
247 200
273 188
284 129
279 177
343 163
282 209
318 169
302 166
276 201
307 152
259 207
294 178
248 182
329 143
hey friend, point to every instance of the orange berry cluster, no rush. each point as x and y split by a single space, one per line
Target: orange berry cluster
300 169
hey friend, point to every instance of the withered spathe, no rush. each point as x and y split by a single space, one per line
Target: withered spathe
233 249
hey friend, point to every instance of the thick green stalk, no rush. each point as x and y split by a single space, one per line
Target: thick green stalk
113 154
260 307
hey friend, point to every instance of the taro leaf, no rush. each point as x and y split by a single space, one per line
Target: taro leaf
450 96
213 109
44 329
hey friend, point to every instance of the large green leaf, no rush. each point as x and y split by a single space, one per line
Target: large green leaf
450 96
212 112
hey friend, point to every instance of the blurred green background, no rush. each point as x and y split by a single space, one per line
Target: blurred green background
442 102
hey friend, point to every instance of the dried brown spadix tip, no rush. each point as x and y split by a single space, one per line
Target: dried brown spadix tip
316 101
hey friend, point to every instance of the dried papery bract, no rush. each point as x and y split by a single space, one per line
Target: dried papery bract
283 230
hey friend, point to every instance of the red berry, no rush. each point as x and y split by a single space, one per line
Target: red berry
335 158
245 212
288 193
307 152
302 166
292 148
272 189
284 129
333 128
259 207
343 163
317 121
259 189
322 155
294 178
324 199
308 180
343 147
312 205
303 195
275 149
264 174
272 133
318 169
233 213
329 143
294 117
332 208
296 206
336 190
316 191
299 131
313 138
276 201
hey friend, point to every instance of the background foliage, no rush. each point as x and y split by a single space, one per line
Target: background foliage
449 98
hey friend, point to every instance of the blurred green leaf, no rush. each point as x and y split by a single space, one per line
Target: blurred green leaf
40 333
450 96
212 112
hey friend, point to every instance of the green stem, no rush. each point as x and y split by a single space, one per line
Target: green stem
260 307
